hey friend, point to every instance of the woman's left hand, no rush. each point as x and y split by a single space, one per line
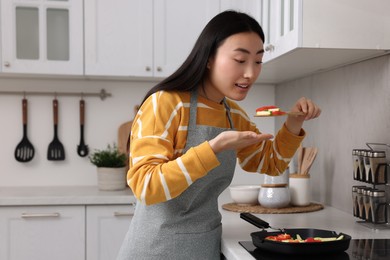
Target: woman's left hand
310 109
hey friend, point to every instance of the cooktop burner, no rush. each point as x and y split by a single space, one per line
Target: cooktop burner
372 249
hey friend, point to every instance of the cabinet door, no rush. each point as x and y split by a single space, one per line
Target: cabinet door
283 25
44 37
177 25
119 37
42 233
106 229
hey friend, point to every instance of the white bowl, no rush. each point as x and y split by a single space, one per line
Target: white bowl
245 194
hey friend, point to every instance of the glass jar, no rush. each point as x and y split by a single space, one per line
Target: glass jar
367 167
378 206
355 163
378 167
367 204
360 202
362 171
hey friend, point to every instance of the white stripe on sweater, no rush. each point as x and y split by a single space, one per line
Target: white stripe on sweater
184 170
247 159
172 116
165 186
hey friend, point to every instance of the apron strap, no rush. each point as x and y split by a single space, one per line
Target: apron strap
193 111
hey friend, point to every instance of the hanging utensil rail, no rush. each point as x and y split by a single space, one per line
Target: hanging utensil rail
103 94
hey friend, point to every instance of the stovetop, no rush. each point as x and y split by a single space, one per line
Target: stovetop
370 249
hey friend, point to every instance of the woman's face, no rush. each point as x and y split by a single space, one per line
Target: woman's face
235 67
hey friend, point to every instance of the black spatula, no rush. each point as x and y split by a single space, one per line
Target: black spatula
82 148
55 151
24 151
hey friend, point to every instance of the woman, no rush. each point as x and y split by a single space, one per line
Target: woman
187 135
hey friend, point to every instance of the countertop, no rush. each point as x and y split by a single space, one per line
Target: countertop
62 195
234 228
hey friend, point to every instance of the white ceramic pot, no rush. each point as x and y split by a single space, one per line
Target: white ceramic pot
111 178
274 197
300 189
281 179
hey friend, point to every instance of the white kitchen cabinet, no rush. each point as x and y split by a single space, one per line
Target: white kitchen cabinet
42 232
42 37
106 228
144 38
307 36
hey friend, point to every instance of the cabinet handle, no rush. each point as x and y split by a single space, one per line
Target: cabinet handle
147 68
122 214
159 69
270 48
7 64
40 215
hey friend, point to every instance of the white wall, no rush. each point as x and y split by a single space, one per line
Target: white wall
355 101
102 121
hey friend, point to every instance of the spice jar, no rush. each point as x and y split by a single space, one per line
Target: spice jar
378 206
355 205
378 167
360 203
355 163
362 171
367 204
367 166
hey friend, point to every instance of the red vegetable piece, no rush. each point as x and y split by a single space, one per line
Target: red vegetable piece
264 108
283 237
277 113
311 240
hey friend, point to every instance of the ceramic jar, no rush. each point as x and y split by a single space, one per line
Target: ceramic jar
274 196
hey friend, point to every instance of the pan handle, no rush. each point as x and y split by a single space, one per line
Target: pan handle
254 220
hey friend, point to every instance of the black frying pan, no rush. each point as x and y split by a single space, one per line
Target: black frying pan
329 247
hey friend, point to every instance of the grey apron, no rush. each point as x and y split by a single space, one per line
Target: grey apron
188 226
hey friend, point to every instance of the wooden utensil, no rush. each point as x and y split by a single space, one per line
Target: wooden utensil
285 113
82 148
24 151
312 157
308 159
55 151
300 156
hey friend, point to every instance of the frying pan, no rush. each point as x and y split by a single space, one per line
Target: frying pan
329 247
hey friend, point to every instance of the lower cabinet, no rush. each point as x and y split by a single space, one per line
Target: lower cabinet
40 233
106 229
63 232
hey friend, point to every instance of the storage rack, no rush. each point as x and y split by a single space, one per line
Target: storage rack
385 185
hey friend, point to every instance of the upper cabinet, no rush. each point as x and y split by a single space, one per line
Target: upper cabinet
44 37
307 36
142 38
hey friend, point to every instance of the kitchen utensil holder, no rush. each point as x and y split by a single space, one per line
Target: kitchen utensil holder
376 181
103 94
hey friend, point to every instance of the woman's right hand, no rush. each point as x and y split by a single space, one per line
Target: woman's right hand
235 140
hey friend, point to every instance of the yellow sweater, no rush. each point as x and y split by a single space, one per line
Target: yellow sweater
160 171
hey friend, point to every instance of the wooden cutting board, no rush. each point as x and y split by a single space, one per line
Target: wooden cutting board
124 135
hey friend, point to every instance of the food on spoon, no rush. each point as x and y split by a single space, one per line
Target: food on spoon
269 111
287 238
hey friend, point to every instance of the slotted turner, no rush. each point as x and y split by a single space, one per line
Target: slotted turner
55 151
24 151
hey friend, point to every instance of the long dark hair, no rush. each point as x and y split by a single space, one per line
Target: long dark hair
191 73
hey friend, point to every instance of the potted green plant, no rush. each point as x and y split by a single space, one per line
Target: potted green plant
111 168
